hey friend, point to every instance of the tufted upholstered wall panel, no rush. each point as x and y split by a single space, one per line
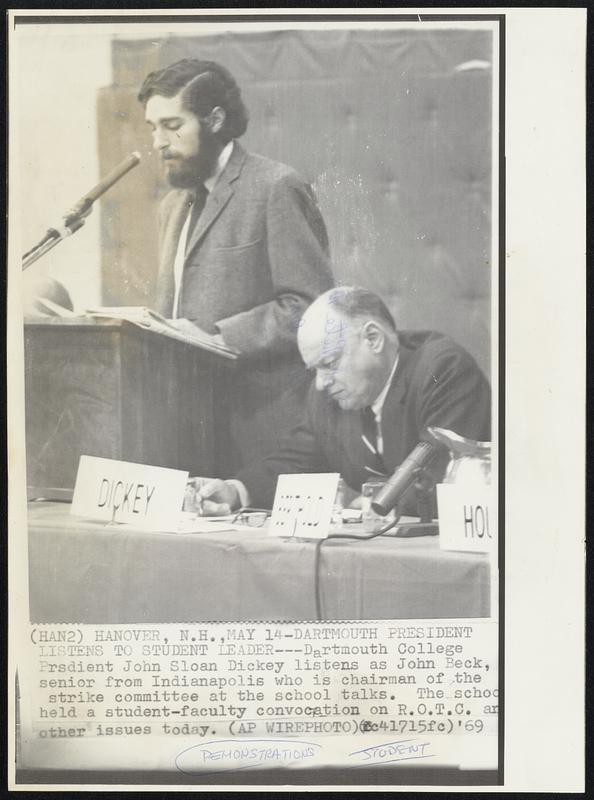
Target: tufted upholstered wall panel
392 128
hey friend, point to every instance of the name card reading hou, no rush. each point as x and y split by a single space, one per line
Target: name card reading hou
148 497
467 518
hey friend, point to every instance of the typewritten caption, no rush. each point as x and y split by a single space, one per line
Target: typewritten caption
225 697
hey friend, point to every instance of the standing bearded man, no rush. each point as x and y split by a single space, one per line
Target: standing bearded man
243 246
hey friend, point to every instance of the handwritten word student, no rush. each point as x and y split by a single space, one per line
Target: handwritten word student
376 391
244 248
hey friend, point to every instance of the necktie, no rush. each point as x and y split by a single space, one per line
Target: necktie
197 208
374 463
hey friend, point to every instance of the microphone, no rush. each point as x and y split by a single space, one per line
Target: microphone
403 478
74 219
81 208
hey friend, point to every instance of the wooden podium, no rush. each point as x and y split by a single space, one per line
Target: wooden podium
115 390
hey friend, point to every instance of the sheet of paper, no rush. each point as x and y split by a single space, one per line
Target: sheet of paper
285 701
192 523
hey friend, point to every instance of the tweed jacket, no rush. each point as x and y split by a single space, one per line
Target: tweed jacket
256 259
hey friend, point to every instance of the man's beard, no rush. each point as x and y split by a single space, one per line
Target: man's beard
186 173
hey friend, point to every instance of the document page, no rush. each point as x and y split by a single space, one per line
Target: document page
432 160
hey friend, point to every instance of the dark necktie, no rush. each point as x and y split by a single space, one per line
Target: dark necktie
197 208
374 463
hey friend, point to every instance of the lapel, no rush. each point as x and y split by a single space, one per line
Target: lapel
392 417
165 281
219 197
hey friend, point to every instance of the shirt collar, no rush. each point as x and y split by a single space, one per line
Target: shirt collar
222 161
378 404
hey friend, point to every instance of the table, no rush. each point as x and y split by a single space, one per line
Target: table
85 571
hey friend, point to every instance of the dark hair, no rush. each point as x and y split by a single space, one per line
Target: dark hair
354 301
205 84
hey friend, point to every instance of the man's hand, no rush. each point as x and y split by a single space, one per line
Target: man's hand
211 497
356 502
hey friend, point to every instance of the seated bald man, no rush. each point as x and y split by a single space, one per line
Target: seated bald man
376 391
36 290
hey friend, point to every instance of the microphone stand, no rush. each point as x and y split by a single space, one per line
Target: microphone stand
75 217
51 239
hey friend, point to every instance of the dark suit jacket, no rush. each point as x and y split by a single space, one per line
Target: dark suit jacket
256 260
436 383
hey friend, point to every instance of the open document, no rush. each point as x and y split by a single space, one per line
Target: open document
149 320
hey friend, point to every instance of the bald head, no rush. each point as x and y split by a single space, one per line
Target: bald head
349 338
44 288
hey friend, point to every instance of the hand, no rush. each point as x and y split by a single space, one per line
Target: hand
356 502
210 497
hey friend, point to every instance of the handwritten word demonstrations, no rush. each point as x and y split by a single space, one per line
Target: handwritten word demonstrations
264 681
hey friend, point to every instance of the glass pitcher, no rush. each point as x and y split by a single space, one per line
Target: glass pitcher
470 461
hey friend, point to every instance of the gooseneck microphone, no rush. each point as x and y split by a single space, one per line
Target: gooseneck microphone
74 219
403 478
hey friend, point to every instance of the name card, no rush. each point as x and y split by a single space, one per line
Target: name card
467 518
120 491
303 505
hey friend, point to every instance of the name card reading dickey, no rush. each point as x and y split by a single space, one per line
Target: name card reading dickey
148 497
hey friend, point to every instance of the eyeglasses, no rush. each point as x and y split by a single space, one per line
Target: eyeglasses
252 517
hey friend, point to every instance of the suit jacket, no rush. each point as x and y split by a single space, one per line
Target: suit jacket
256 259
436 382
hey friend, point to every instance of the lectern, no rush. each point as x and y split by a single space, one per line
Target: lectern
115 390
